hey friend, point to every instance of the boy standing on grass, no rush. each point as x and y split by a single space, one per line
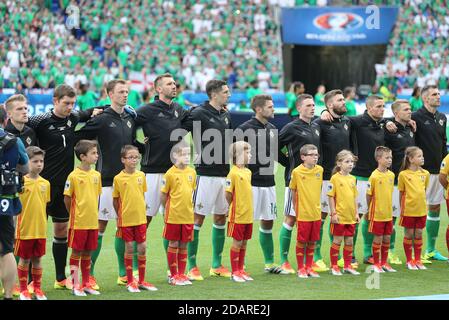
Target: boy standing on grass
379 197
178 186
31 228
81 194
305 184
129 187
240 216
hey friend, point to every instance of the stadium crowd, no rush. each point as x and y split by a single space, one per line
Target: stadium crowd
418 52
197 41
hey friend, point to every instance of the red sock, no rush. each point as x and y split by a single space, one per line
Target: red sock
408 249
418 248
142 262
22 272
172 254
384 252
74 269
309 255
129 267
300 251
85 270
447 238
235 252
242 258
335 249
36 274
347 255
182 260
376 252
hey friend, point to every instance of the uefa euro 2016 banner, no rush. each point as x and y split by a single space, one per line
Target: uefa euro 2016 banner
338 26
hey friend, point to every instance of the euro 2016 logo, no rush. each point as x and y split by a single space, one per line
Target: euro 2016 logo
73 17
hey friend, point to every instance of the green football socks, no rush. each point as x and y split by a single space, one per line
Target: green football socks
192 247
285 236
96 253
432 227
218 240
266 243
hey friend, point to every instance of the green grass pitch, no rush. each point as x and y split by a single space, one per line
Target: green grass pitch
265 286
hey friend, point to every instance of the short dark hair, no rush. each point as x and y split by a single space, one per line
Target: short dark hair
370 100
330 95
300 98
3 114
214 86
297 85
160 77
84 146
64 90
111 85
347 91
33 151
260 100
126 148
427 88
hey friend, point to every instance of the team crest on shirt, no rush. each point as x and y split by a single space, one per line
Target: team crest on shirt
43 189
190 178
95 180
176 113
411 134
226 120
317 132
128 124
441 122
272 134
346 127
69 123
228 183
28 140
423 178
139 180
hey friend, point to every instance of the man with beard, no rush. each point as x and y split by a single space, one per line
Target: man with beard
335 136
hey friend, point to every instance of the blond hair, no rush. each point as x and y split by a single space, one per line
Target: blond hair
9 103
343 154
410 152
236 150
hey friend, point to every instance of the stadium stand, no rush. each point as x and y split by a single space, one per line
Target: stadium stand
418 52
194 40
